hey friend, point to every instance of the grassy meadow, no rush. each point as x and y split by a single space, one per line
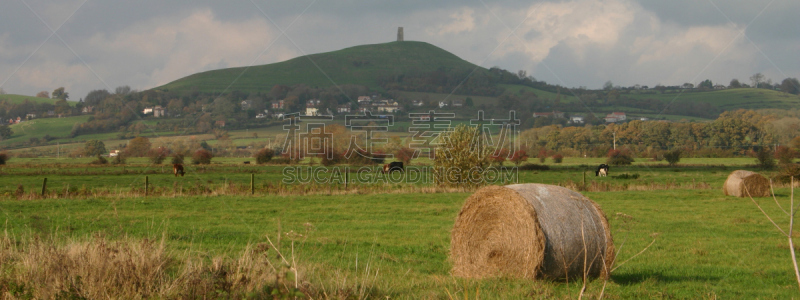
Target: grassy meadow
389 240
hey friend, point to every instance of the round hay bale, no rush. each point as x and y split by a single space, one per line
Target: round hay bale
742 183
531 231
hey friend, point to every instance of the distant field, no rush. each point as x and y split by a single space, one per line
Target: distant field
38 128
730 99
21 98
566 94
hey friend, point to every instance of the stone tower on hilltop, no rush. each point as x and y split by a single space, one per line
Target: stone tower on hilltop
399 34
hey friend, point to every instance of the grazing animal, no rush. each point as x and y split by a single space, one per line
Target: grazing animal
247 162
178 169
602 170
393 166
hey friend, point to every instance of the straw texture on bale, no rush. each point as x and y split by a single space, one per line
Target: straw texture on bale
742 183
531 231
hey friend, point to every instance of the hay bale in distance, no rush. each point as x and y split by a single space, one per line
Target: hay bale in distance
530 231
742 183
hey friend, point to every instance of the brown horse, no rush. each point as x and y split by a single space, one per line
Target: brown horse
178 169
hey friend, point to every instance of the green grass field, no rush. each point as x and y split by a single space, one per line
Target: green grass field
706 245
730 99
38 128
21 98
360 65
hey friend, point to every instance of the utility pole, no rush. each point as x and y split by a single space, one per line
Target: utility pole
615 140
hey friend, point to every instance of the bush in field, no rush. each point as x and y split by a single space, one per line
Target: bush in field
201 157
264 155
138 147
519 157
765 159
785 155
335 158
558 158
99 161
457 161
673 157
4 158
542 155
158 155
619 157
498 157
119 159
94 148
405 154
177 158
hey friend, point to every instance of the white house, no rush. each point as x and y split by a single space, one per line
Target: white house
311 110
616 117
577 120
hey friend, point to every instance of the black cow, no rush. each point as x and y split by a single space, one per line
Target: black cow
393 166
602 170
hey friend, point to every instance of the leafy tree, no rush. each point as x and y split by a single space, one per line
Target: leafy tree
122 90
94 148
735 84
785 155
558 158
673 157
94 97
765 159
619 157
158 155
757 78
264 155
498 157
201 157
458 162
59 93
138 147
177 158
706 84
3 158
608 85
790 85
519 157
43 94
5 132
404 154
468 102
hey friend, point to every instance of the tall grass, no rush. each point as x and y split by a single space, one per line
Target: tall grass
97 268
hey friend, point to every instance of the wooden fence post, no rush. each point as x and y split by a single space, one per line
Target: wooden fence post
44 186
252 184
146 184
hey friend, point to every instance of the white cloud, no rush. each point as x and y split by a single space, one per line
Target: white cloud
460 21
196 43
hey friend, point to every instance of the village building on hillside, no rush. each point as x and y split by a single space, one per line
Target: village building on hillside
247 104
159 111
364 100
277 104
577 120
312 107
417 103
616 117
343 109
552 114
458 103
87 109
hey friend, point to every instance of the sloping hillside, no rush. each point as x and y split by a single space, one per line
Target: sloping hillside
361 65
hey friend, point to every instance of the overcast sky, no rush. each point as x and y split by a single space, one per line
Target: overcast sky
100 44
